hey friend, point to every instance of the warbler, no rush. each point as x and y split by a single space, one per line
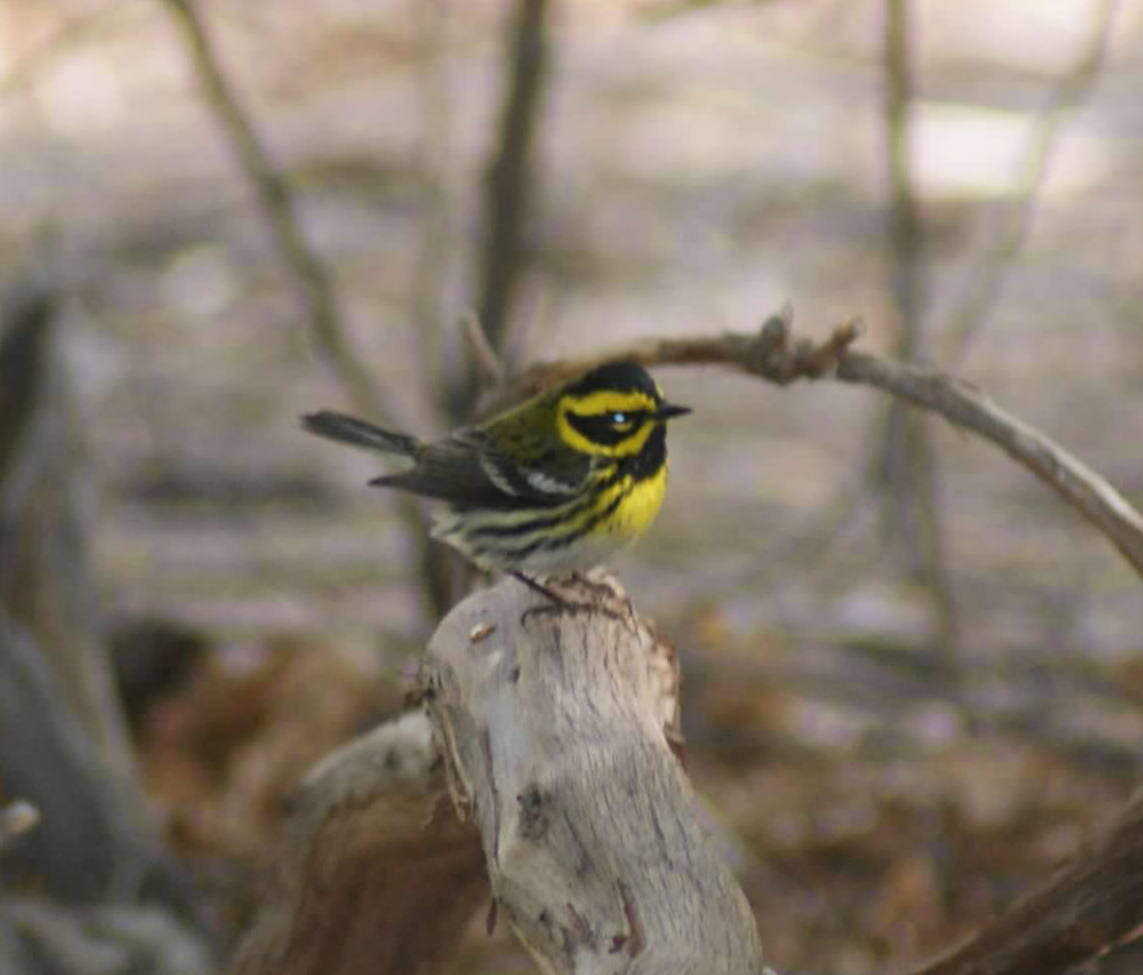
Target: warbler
555 485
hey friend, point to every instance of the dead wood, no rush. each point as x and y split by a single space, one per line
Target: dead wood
554 735
556 725
557 730
376 874
775 355
1093 904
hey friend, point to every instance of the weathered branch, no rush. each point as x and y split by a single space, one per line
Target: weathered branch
376 876
46 582
553 724
557 730
1092 905
63 741
553 734
773 354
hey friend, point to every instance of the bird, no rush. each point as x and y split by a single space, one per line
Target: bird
551 487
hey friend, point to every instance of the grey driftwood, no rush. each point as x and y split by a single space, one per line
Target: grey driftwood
540 782
555 726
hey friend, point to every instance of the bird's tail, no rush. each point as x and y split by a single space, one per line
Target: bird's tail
358 433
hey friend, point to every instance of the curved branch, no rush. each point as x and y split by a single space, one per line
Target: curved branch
1092 905
965 406
375 874
775 355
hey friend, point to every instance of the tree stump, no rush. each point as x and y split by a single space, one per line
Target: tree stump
555 723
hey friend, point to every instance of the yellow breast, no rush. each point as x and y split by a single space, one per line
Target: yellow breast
639 506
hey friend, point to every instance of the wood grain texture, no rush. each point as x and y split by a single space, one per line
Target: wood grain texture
376 874
554 723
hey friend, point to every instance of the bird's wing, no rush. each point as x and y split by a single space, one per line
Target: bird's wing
540 472
449 470
470 468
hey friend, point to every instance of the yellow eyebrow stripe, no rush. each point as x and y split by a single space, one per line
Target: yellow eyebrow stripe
608 401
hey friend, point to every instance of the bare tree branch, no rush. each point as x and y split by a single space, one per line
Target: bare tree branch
1093 904
507 194
773 354
770 353
555 729
489 370
279 207
309 274
376 875
967 407
904 463
435 162
983 287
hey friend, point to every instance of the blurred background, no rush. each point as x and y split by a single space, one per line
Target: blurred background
913 679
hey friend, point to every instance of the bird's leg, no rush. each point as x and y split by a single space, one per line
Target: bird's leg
601 589
558 604
544 591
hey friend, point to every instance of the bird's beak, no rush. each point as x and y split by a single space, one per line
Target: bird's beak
668 411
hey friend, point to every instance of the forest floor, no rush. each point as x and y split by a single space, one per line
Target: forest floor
880 791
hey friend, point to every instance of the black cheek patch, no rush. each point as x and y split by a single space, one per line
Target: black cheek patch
598 429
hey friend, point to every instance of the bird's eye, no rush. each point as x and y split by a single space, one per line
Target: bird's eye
619 419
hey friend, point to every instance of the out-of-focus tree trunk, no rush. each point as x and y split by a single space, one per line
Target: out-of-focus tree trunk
63 744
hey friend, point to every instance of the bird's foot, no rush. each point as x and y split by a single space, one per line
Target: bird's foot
558 605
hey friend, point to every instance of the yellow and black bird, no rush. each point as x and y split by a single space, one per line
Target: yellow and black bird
555 485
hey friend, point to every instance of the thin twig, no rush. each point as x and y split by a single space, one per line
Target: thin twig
309 273
279 206
489 369
983 287
774 355
435 162
904 231
508 184
770 353
904 463
967 407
